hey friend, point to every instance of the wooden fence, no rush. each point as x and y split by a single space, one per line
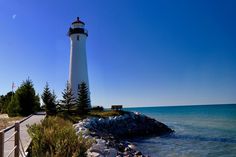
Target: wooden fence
18 146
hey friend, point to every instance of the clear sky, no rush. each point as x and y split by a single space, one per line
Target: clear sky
139 52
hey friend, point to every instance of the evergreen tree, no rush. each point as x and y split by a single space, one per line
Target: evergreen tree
83 101
49 100
25 101
5 101
14 108
1 103
68 98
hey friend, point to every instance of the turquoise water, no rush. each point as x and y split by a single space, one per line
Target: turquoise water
200 131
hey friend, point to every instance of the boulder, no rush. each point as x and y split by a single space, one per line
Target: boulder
131 146
94 154
137 153
111 152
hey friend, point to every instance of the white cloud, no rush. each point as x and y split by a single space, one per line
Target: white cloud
13 16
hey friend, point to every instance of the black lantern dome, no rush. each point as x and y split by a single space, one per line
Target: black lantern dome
77 27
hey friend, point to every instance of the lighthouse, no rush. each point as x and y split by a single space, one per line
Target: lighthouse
78 71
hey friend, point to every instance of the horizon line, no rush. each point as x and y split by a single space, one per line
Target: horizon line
178 105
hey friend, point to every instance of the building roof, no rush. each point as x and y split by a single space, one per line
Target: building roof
78 21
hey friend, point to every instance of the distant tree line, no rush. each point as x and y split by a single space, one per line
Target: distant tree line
21 103
4 102
24 101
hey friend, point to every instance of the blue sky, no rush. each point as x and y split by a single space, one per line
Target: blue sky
140 53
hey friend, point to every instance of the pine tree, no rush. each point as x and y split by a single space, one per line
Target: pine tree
49 100
5 101
83 101
24 101
68 98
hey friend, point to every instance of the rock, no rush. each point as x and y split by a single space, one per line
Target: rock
101 142
87 136
95 150
126 153
131 146
99 147
127 149
94 154
121 147
111 152
137 153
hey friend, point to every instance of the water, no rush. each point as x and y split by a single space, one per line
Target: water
200 131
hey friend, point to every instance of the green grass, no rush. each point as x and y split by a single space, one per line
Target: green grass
105 113
74 118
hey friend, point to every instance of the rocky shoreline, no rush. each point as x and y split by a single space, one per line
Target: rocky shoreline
111 133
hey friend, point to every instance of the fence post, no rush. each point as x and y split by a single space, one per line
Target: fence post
2 144
17 139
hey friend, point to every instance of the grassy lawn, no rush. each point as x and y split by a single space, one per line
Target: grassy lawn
5 122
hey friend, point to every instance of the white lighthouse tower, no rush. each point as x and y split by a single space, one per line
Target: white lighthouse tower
78 72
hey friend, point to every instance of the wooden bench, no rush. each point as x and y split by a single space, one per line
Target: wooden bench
116 107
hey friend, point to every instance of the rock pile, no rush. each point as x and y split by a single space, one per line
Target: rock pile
110 133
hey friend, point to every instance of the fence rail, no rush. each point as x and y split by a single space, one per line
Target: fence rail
17 142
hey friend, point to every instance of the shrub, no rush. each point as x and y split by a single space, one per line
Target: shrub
55 137
98 108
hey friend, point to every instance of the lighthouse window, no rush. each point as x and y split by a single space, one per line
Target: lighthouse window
78 37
